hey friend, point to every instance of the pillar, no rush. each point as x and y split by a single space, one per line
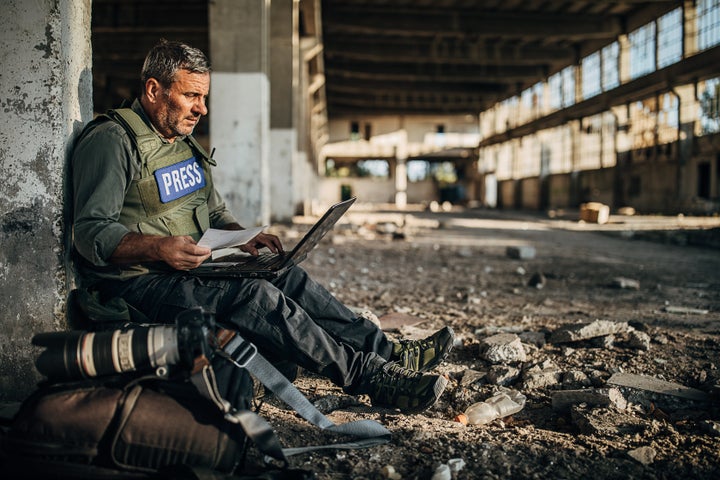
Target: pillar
45 99
283 87
240 106
401 180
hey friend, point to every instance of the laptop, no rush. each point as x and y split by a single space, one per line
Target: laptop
268 264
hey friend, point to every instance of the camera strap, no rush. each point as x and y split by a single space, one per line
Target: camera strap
244 354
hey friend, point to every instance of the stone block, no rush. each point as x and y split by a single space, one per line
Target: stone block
595 397
585 331
502 348
594 212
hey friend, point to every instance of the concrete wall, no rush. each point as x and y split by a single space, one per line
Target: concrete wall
45 98
369 190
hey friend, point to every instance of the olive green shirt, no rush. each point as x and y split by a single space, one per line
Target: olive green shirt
104 163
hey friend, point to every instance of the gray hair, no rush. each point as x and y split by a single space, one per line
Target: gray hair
167 57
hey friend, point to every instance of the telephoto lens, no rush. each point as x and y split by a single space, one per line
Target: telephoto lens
76 354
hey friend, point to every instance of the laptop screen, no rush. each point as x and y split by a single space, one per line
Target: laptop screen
321 227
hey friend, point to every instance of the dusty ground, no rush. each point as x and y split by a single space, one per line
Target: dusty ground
451 268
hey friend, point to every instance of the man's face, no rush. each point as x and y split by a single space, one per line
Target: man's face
179 108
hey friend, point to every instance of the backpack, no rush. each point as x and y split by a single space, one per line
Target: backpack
177 426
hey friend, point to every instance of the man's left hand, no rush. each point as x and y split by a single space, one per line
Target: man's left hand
263 240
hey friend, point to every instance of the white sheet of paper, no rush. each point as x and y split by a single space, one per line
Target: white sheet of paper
215 238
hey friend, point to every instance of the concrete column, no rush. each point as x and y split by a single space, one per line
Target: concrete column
401 180
45 99
624 58
690 40
240 106
689 113
284 162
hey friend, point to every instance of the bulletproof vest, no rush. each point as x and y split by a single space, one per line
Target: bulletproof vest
170 195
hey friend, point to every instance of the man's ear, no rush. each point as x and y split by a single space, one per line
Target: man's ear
152 89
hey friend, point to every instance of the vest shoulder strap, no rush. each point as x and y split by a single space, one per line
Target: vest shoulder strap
142 136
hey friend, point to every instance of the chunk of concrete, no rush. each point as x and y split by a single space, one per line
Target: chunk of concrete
625 283
575 379
585 331
655 385
644 455
503 375
596 397
594 212
659 395
537 377
502 348
639 340
533 338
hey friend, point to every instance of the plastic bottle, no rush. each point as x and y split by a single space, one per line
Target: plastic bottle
504 403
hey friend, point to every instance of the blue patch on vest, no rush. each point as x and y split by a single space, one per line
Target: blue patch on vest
180 179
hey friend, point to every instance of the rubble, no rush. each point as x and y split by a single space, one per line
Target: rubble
596 397
655 385
625 283
575 379
606 422
594 212
639 340
654 393
575 337
502 375
644 455
685 310
470 376
586 331
541 376
502 348
533 338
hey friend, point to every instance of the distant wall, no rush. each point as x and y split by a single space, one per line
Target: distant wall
370 190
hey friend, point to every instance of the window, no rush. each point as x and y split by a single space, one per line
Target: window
373 168
710 107
591 75
610 75
418 170
642 51
668 118
568 76
708 12
555 91
670 38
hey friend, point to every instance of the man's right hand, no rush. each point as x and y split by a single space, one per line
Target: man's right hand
181 253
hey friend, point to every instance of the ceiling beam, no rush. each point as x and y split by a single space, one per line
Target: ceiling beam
448 23
435 73
445 50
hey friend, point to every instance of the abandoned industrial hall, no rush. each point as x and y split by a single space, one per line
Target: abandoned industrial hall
540 176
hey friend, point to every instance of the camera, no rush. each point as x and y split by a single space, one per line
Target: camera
76 355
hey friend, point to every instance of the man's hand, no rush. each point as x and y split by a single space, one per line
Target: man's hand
181 253
263 240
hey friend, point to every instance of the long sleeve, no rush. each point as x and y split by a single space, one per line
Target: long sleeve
103 166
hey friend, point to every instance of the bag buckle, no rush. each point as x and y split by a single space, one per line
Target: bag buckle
242 352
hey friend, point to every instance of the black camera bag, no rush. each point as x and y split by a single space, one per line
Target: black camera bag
139 426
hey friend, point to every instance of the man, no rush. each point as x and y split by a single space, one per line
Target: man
136 236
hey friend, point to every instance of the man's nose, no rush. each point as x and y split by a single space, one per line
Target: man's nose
200 107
